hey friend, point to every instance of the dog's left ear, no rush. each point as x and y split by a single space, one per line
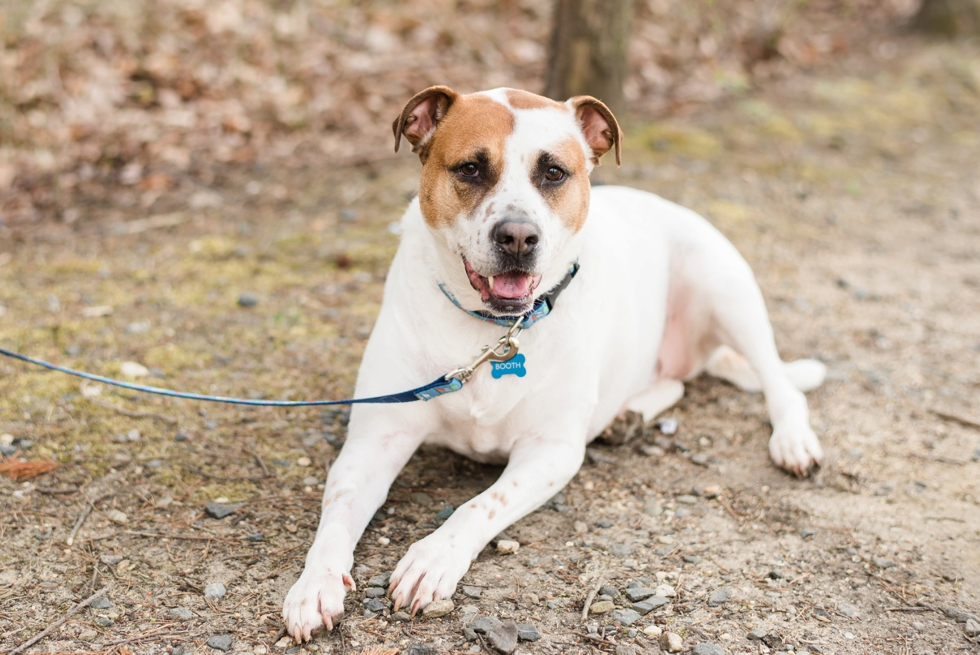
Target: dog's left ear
599 126
422 114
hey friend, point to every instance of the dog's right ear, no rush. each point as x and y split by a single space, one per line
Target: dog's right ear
420 116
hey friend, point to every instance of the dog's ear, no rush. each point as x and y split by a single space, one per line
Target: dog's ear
599 126
420 116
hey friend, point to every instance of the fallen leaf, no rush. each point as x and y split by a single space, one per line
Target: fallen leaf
26 470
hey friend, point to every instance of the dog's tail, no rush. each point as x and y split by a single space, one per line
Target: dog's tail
725 363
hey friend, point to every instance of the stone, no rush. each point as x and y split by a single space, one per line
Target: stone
214 591
606 590
219 510
883 562
625 650
602 607
507 547
100 603
667 426
639 593
653 508
527 632
116 516
671 642
446 511
438 608
374 592
758 634
650 604
776 574
847 610
181 614
247 300
421 649
626 617
807 533
665 590
653 631
691 559
401 617
504 637
380 580
104 622
960 616
255 537
972 628
220 642
687 499
7 450
420 498
708 649
472 592
374 604
484 624
619 550
88 635
603 524
719 597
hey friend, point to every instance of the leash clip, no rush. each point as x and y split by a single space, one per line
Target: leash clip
508 343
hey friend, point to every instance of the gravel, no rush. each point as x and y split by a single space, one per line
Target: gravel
100 603
472 592
671 642
380 580
719 597
438 608
219 510
639 593
220 642
972 628
214 591
527 632
507 547
626 617
504 637
708 649
181 614
374 592
653 602
602 607
247 300
376 605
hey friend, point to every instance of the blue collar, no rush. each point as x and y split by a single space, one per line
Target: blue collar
542 306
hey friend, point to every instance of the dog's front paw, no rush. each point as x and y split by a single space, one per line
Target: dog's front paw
316 600
796 449
428 572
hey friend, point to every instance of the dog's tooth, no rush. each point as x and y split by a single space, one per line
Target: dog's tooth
490 280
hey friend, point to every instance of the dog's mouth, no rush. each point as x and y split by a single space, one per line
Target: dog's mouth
506 292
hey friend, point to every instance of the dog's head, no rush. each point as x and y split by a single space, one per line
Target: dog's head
505 186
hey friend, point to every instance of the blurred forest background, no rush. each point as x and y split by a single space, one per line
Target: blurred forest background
150 96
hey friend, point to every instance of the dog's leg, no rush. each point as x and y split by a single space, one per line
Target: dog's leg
539 467
662 395
742 323
356 487
725 363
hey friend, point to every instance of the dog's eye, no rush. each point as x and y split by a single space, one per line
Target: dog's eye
469 169
554 174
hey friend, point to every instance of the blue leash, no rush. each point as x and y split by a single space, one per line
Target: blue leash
434 389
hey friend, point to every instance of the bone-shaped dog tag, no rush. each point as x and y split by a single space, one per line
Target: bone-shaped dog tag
513 366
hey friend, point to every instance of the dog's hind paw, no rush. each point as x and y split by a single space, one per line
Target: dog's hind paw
315 601
796 449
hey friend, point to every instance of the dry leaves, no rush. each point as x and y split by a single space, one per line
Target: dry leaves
26 470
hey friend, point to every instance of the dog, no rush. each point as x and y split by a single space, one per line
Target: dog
505 217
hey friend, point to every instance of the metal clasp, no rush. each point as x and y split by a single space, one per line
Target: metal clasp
506 348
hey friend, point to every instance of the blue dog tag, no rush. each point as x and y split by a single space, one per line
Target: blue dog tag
513 366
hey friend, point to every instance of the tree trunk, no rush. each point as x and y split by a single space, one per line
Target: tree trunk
948 17
588 50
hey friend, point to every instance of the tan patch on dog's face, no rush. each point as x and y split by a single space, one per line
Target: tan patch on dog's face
569 200
526 100
473 131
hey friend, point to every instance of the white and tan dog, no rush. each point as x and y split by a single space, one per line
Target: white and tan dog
504 207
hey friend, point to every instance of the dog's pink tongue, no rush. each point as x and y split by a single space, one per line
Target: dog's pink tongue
511 285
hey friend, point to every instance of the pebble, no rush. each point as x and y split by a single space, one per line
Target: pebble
883 563
111 560
438 608
420 649
133 370
626 617
918 625
504 637
719 597
806 533
420 498
847 610
960 616
619 550
374 592
507 547
757 634
116 516
472 592
665 590
667 426
401 617
652 451
708 649
671 642
581 527
214 591
602 607
100 603
603 524
653 508
380 580
972 628
181 613
180 436
691 559
638 593
527 632
219 510
484 624
311 481
377 605
247 300
606 590
88 635
304 462
650 604
446 511
255 537
776 574
104 622
220 642
653 631
7 450
625 650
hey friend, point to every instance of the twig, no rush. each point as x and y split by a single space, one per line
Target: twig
729 509
719 565
186 537
56 491
599 640
956 418
941 460
916 608
225 478
78 523
60 622
258 458
590 598
131 413
278 636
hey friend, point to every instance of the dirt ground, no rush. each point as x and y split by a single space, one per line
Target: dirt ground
854 192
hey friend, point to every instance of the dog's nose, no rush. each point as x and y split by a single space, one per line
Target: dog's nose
519 238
